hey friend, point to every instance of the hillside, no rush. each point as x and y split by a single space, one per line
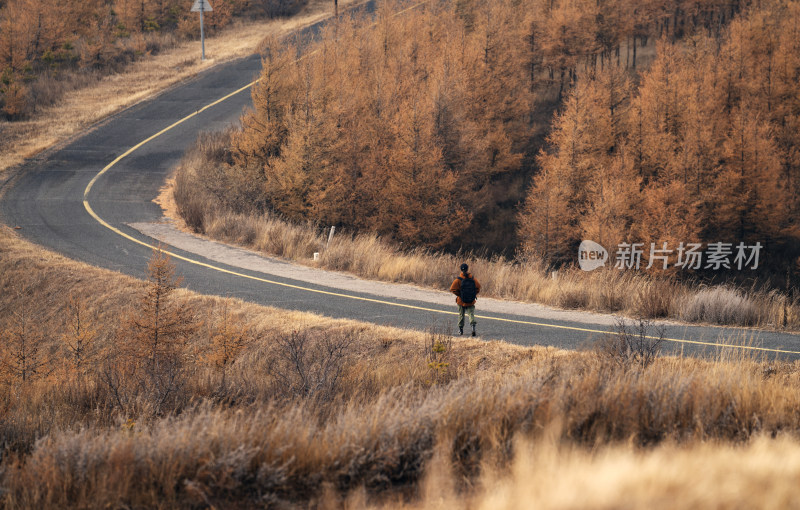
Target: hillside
244 405
440 135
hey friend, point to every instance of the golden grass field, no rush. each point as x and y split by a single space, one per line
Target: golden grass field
414 419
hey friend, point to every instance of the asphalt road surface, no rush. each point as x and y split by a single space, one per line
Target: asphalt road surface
46 199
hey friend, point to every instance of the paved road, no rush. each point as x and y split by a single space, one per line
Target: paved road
47 201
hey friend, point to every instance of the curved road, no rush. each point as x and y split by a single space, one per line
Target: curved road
46 200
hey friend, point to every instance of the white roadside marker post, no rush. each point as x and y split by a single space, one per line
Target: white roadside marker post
202 6
330 236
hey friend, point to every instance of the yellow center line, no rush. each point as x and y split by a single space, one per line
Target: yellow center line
337 294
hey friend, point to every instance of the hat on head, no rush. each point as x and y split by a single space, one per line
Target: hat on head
464 267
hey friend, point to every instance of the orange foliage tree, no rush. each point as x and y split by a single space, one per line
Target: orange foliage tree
40 38
24 353
400 127
699 151
148 359
80 337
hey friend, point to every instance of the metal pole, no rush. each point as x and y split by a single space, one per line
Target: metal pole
202 35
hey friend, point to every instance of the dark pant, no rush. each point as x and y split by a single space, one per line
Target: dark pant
470 311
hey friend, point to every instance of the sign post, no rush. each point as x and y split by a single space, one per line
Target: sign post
202 6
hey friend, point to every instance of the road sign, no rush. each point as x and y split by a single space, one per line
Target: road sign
201 5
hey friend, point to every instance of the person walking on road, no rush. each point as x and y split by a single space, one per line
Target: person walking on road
466 289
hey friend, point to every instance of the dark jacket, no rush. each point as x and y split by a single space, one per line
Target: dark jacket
455 288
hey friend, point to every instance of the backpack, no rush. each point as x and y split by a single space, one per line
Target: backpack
468 291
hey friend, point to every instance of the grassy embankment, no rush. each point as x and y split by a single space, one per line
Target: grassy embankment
324 412
200 181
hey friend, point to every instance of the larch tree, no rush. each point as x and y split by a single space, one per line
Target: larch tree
147 360
24 353
545 220
229 337
161 325
750 202
79 337
263 129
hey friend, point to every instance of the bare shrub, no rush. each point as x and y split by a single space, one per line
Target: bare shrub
295 242
632 345
49 88
573 297
788 310
310 365
207 190
24 346
276 8
80 336
230 335
234 228
191 202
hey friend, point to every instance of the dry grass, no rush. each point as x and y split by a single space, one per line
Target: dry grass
214 202
393 417
267 453
760 474
140 80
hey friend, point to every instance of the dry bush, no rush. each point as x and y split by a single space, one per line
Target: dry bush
720 305
80 337
310 365
229 336
275 8
50 87
206 189
636 344
14 99
573 298
654 297
191 203
25 350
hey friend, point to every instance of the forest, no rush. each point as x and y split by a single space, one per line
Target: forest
703 147
520 127
48 48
